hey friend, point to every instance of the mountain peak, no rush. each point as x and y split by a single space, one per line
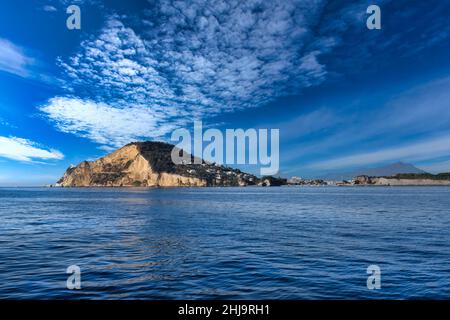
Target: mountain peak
392 169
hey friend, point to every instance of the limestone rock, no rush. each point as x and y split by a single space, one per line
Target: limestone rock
149 164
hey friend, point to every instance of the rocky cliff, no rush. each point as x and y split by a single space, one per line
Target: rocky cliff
149 164
412 179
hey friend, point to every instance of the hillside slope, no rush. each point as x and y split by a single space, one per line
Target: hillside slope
149 164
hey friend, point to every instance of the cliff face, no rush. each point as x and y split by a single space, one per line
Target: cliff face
405 180
410 182
149 164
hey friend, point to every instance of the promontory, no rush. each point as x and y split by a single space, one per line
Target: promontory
149 164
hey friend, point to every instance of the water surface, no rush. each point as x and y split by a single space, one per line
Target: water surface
225 243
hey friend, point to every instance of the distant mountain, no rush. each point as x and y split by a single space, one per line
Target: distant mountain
384 171
391 169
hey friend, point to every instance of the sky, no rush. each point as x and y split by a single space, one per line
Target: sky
343 97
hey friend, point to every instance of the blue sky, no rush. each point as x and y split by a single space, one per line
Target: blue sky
343 96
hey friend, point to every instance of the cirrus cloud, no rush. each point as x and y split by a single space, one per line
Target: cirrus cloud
25 150
13 59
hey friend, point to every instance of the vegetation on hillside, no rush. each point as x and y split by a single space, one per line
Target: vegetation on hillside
440 176
159 156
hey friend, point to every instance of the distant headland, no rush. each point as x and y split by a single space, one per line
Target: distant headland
149 164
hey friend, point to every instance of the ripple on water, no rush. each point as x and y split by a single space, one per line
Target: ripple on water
227 243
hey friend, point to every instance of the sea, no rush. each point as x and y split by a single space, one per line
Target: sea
305 242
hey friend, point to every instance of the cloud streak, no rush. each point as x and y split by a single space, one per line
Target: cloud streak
13 59
418 113
25 150
49 8
418 151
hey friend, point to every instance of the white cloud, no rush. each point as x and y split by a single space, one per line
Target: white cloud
25 150
102 123
50 8
187 61
197 59
79 2
13 59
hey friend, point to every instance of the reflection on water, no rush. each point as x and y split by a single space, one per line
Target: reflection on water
245 243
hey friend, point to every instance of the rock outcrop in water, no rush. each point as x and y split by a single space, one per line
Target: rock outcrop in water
149 164
270 181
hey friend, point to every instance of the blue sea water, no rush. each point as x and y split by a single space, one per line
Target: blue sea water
225 243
